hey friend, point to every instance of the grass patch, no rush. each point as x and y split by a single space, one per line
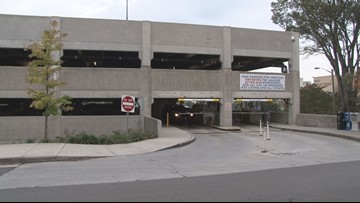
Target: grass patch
118 137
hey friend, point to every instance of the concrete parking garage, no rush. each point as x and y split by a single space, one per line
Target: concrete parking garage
105 59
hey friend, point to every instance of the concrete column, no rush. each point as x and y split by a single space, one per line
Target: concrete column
227 56
294 67
146 98
226 116
57 54
146 57
55 121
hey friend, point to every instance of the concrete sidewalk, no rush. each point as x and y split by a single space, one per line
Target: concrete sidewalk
350 135
29 153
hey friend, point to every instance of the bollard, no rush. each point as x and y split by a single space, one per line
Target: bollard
268 131
261 128
264 144
167 120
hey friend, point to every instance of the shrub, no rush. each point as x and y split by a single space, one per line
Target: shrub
118 137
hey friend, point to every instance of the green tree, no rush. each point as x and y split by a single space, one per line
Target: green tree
43 72
332 28
315 101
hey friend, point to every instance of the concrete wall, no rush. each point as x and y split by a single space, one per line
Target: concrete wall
21 31
12 82
102 34
15 129
282 118
249 42
321 121
255 118
182 83
152 125
99 125
182 38
101 83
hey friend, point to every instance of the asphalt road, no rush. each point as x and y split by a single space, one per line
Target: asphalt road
217 165
6 170
322 183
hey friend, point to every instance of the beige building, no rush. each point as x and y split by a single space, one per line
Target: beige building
326 83
304 83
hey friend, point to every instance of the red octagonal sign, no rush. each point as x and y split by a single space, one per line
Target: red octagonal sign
128 104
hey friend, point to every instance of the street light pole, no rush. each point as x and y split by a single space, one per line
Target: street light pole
333 86
127 9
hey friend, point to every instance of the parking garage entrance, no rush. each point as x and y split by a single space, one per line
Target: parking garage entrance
252 111
187 111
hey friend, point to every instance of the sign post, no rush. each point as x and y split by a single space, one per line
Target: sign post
127 106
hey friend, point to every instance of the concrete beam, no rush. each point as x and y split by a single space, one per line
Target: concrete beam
100 94
187 94
262 95
186 49
262 53
102 46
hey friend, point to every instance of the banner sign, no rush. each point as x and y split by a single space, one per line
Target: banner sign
262 82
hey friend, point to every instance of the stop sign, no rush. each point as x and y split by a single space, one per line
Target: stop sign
128 104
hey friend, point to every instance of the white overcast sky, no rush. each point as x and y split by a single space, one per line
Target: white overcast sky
235 13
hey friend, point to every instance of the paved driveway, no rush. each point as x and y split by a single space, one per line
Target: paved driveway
213 152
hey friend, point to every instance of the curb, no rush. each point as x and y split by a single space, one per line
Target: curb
233 129
29 160
183 144
22 160
320 133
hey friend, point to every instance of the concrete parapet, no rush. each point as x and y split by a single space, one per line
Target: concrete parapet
20 129
152 125
313 120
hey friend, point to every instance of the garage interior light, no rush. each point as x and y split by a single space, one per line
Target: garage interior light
254 100
199 100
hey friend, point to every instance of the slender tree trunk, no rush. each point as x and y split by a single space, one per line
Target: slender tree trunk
347 102
46 128
47 106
